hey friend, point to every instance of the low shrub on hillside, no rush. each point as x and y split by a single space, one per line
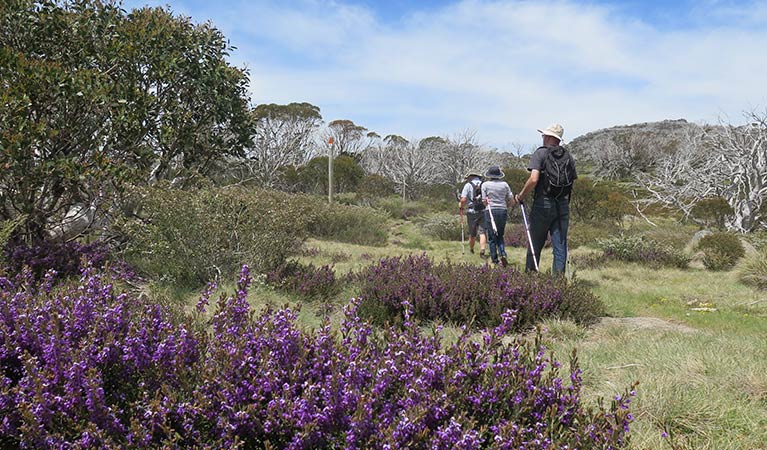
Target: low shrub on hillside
446 227
349 224
468 294
196 235
305 280
633 248
753 270
87 367
721 251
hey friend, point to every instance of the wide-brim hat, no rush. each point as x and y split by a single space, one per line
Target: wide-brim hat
494 172
555 130
472 174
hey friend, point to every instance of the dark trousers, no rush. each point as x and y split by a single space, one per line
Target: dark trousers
495 238
549 216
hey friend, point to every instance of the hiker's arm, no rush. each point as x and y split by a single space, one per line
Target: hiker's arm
462 203
529 185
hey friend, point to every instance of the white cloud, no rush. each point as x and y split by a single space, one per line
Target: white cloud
503 68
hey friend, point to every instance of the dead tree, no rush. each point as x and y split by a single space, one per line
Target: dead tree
726 161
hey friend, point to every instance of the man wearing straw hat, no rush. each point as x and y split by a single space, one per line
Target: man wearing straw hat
552 173
471 202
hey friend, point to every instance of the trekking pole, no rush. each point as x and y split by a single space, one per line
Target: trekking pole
492 219
527 232
463 245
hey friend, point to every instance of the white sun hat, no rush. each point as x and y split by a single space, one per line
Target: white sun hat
554 130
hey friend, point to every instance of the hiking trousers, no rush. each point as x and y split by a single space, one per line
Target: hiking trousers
495 239
549 215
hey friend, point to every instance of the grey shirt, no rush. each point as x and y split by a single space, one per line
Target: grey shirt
499 193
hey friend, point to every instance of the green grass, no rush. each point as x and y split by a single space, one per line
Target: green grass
703 375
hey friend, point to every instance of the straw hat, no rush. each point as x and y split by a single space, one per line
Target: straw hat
554 130
494 172
472 174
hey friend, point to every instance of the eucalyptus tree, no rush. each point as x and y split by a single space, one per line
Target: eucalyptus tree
348 137
283 135
94 97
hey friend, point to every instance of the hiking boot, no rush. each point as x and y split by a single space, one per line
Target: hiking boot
482 254
471 250
504 262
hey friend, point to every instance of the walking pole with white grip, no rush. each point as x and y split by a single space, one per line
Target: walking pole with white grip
463 245
492 219
527 231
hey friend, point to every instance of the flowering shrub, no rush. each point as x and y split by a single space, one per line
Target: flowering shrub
83 366
638 249
64 258
307 281
516 236
466 293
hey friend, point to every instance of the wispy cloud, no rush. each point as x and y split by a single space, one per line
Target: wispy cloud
503 68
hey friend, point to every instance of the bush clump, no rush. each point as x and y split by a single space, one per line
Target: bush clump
65 258
305 280
349 224
712 211
589 234
721 251
397 208
197 235
445 227
515 235
753 270
109 371
633 248
468 294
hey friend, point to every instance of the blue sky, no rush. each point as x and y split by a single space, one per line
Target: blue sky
501 68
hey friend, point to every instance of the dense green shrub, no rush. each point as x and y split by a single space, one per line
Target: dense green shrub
634 248
196 235
446 227
721 251
753 270
599 201
375 186
349 224
467 294
517 179
712 211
